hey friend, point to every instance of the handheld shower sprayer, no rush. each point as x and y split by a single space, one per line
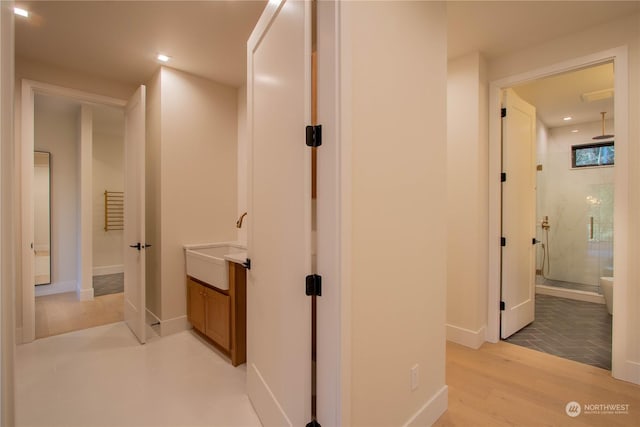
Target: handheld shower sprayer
545 223
545 245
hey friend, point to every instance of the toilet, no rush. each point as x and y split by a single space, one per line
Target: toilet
606 284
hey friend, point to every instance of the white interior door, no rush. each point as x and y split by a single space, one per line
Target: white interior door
278 311
518 214
134 221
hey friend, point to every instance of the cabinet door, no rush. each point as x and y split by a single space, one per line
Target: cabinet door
195 304
217 309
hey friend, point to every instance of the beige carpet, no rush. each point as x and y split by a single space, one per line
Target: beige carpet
60 313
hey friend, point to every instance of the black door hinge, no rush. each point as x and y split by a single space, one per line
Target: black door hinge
314 423
503 241
503 112
313 285
534 241
247 264
502 306
314 135
503 177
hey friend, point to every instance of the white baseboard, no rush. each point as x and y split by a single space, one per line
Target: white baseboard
631 372
570 294
432 410
264 401
175 325
55 288
151 318
108 269
85 294
167 327
466 337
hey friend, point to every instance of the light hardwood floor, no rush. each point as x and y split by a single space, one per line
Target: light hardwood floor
507 385
60 313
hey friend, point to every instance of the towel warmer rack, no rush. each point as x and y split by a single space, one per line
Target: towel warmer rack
113 210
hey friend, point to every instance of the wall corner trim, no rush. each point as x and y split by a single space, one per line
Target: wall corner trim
19 339
631 372
466 337
85 294
431 410
175 325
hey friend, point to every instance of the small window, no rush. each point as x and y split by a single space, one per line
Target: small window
590 155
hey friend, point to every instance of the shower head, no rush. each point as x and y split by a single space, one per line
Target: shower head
603 136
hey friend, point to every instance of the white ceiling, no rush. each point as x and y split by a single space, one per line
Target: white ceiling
497 28
118 40
560 96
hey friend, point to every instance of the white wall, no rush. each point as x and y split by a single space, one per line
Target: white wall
108 174
569 197
8 234
394 210
84 286
56 131
197 191
467 203
153 183
622 32
242 160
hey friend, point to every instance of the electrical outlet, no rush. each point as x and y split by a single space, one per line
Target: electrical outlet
414 377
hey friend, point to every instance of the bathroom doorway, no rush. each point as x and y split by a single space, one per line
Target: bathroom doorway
574 213
575 154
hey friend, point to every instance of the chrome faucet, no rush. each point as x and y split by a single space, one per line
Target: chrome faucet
239 221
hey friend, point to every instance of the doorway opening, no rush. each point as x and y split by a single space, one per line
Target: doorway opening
61 305
573 243
551 291
67 122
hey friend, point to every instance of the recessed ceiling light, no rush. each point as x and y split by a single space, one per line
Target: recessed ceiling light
575 131
21 12
566 119
163 58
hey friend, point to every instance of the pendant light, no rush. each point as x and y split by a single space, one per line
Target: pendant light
603 136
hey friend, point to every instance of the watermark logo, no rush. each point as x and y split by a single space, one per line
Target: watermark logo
573 409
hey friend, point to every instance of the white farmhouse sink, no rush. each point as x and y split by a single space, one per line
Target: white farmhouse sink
208 263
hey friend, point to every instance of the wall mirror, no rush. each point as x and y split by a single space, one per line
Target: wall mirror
42 216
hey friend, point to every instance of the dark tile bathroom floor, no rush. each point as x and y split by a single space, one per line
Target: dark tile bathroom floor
575 330
108 284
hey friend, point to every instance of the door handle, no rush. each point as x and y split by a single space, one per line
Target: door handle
139 246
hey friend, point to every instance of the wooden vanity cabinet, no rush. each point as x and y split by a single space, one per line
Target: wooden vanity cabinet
217 324
221 315
195 304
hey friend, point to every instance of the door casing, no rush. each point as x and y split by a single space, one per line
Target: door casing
619 56
25 146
